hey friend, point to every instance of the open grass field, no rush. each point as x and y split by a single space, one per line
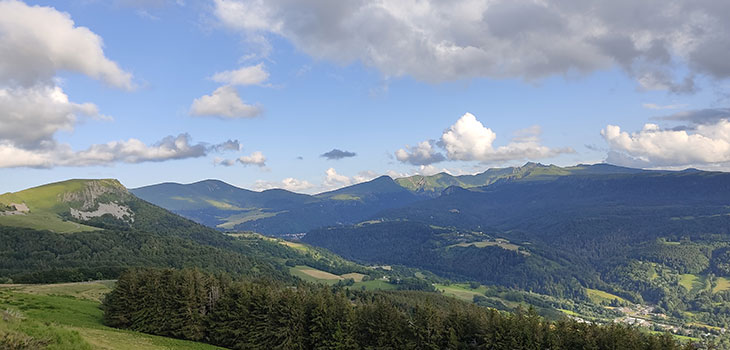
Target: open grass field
497 243
44 205
373 285
723 284
693 283
357 277
297 246
598 296
65 317
310 274
236 219
93 291
44 221
313 275
460 291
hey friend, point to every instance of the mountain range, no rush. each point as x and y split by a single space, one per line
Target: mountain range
622 235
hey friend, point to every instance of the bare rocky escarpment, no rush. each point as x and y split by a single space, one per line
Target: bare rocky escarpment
91 206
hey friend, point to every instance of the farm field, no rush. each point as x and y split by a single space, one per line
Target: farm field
310 274
598 296
67 317
460 291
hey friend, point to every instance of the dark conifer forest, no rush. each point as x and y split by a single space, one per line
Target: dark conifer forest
215 309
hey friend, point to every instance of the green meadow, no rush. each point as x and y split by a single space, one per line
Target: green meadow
68 317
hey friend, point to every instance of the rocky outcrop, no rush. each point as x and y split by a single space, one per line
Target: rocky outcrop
116 210
97 198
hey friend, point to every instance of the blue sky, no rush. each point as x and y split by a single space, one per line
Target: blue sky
407 87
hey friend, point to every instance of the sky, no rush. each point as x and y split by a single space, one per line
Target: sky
314 95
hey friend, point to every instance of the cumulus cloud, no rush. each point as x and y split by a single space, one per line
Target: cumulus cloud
129 151
30 117
439 41
256 158
423 153
337 154
334 180
251 75
224 102
289 184
469 140
655 147
36 42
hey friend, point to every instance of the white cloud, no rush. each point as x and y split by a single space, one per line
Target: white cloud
36 42
256 158
656 147
289 184
252 75
30 117
469 140
334 180
129 151
528 39
422 154
224 102
428 170
364 176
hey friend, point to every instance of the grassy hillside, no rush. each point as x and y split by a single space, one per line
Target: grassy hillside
68 317
434 184
45 204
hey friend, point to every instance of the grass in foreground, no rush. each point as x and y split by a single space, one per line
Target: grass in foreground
67 317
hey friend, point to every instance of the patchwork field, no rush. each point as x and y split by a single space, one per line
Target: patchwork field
313 275
310 274
67 317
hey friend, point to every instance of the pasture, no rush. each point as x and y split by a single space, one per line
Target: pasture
67 316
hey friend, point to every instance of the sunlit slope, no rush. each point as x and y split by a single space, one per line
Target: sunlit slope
434 184
49 207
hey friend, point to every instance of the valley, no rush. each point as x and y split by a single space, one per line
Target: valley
596 244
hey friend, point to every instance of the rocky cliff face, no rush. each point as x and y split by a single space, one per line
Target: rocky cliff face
97 198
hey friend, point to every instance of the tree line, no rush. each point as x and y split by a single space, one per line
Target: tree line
250 314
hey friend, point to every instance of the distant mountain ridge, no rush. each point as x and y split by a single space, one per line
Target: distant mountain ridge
217 204
434 184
